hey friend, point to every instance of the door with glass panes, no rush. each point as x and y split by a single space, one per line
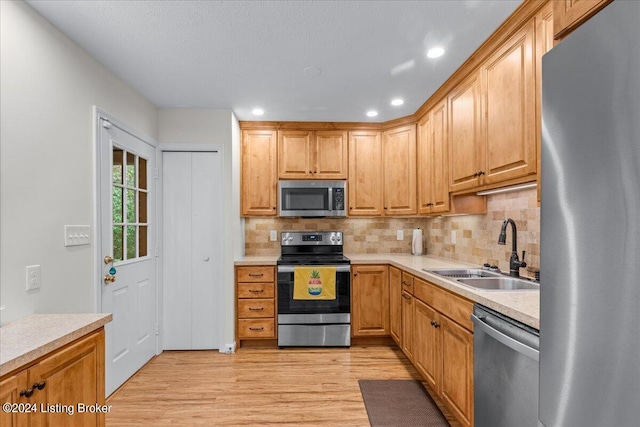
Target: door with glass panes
128 259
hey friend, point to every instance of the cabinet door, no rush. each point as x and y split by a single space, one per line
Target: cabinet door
424 152
509 105
399 157
395 305
370 300
295 154
570 14
365 173
426 342
407 324
457 370
465 134
10 393
74 375
259 173
439 159
330 155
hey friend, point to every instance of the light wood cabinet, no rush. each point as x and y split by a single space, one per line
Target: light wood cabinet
312 154
70 376
465 134
369 300
407 324
443 346
399 158
570 14
433 161
259 173
365 173
256 310
508 90
395 305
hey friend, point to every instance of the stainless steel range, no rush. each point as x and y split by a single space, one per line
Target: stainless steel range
304 320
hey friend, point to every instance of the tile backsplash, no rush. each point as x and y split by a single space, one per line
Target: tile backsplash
476 236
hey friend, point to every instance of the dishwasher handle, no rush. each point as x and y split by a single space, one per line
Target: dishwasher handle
516 345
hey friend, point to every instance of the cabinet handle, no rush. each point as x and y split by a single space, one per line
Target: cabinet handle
475 175
480 173
256 309
433 323
436 324
256 329
27 393
256 291
256 274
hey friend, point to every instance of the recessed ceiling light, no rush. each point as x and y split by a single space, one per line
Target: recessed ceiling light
257 111
372 113
435 52
397 101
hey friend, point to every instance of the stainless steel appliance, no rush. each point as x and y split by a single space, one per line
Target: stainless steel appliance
505 371
313 322
590 224
312 198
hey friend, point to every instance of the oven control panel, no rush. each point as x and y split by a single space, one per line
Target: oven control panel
324 238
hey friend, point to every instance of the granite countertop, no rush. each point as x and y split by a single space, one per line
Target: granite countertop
523 306
25 340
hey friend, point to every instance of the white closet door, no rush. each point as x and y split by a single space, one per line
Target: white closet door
192 249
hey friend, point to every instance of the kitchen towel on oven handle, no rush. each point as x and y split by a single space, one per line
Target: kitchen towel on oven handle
314 283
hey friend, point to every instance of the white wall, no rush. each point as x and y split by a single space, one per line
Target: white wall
215 126
48 87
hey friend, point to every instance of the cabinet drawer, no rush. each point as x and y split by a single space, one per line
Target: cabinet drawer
256 274
455 308
256 328
256 290
407 282
262 307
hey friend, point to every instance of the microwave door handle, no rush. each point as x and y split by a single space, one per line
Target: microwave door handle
330 190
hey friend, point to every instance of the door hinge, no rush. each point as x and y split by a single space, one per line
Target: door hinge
157 330
157 252
157 174
106 124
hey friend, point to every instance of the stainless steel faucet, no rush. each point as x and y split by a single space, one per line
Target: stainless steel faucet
514 263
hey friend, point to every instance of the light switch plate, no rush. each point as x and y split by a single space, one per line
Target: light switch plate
400 235
75 235
453 237
273 235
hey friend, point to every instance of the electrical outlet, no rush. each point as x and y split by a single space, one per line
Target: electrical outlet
229 348
34 277
273 235
400 235
453 237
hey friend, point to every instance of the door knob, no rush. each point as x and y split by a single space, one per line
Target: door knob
108 260
108 278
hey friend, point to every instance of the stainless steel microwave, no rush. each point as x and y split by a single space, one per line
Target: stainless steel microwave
312 198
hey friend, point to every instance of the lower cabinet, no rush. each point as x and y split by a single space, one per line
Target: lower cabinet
255 303
369 300
65 388
437 336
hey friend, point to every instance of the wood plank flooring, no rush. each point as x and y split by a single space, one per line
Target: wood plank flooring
256 387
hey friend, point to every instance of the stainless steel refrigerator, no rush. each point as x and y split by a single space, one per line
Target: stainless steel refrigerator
590 224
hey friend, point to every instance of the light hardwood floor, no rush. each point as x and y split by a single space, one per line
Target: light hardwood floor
256 387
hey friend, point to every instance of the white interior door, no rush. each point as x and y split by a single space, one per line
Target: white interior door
192 249
127 213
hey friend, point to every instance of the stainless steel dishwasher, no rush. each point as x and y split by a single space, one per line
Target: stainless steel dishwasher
505 370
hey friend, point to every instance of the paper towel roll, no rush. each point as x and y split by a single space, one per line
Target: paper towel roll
416 242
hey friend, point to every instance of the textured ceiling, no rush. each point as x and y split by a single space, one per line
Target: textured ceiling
244 54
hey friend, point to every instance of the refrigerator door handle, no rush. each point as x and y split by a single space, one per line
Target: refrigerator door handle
513 344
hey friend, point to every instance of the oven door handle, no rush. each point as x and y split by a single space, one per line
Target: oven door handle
339 268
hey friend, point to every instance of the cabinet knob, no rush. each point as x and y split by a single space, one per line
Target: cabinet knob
480 173
355 274
27 393
40 385
274 208
475 175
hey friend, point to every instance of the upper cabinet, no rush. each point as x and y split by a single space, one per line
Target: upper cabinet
467 153
399 157
433 161
570 14
492 116
259 176
364 189
312 154
508 91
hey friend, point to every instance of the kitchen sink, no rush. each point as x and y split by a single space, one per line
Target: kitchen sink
502 283
486 280
464 273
